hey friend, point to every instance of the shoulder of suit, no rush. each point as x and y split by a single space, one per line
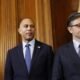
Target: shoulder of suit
64 47
15 47
42 43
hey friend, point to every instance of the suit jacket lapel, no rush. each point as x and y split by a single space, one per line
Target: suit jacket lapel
74 54
36 52
21 58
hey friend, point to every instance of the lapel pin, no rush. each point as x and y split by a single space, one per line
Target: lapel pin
38 46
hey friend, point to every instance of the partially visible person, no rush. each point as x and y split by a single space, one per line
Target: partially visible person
30 60
67 59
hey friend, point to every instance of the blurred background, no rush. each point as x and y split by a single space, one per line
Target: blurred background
49 16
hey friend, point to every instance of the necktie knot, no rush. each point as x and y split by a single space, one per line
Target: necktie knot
79 50
27 45
79 46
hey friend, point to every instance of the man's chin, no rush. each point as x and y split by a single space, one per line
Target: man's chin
29 39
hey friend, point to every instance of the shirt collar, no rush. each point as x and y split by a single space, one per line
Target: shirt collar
76 43
32 42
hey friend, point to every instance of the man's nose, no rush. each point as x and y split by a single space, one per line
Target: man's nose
29 27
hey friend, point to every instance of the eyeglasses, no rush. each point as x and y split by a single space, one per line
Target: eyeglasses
77 25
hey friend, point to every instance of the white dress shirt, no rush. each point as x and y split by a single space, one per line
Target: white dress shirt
76 45
31 47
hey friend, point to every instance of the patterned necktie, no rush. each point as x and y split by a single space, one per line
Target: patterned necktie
28 57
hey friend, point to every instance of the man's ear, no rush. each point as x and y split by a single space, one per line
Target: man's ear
19 31
69 29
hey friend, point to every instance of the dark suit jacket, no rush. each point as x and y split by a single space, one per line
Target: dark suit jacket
66 64
41 66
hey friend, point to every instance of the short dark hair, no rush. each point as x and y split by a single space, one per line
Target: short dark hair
72 17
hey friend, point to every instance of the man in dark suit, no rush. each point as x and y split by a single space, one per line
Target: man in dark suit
67 59
16 68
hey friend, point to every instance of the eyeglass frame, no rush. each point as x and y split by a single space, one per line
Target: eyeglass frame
77 25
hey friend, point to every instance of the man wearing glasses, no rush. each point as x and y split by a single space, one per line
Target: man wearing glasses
67 59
